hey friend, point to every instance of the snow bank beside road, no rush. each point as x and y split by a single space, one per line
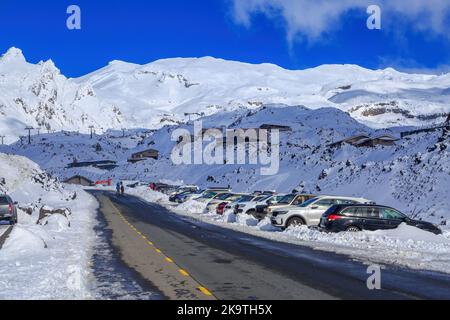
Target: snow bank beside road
147 194
406 246
49 259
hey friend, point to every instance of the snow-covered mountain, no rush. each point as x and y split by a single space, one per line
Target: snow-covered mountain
38 95
173 90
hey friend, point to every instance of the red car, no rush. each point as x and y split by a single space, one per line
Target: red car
221 208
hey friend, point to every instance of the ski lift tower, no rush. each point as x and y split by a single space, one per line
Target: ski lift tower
29 128
92 130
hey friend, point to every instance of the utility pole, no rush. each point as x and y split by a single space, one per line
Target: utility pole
92 130
2 137
29 128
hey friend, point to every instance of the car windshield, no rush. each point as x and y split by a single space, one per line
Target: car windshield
260 198
287 199
307 202
224 196
244 199
209 195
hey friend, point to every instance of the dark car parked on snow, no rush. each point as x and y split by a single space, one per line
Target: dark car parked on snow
8 211
368 217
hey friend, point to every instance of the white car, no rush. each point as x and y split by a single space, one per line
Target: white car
224 197
309 212
249 207
211 195
245 198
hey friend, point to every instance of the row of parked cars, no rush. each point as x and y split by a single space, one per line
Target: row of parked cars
328 213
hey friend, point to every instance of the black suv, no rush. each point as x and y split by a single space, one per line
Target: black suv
8 210
368 217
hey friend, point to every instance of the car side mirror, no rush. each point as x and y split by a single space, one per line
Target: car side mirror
16 203
269 202
315 207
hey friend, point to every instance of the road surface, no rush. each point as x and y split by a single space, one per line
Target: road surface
190 259
4 232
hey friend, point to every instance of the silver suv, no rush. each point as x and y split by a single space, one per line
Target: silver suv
8 211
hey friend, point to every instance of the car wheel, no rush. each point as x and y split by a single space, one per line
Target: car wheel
295 222
353 229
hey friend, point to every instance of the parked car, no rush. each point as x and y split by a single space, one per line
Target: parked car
292 199
162 187
368 217
209 195
250 207
225 197
310 212
182 189
8 211
220 209
183 197
244 198
179 196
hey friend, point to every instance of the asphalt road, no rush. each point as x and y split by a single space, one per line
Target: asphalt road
225 264
4 232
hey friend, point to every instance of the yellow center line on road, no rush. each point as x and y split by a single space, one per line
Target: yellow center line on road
205 291
202 289
184 273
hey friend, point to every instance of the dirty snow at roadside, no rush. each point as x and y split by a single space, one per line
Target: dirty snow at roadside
406 246
49 254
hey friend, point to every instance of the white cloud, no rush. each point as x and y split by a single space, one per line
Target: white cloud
315 18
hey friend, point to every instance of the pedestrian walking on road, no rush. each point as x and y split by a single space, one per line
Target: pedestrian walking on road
118 188
122 189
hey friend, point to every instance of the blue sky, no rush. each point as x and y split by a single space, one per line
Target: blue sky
141 31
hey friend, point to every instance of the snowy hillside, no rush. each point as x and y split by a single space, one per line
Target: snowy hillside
413 175
166 91
49 250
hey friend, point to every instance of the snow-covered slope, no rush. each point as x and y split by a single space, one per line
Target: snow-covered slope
165 91
49 254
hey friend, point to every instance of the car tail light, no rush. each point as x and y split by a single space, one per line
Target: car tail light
333 217
10 208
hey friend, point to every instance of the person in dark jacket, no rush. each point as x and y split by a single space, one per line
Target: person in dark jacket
122 188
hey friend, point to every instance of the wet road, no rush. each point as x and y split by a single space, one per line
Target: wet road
234 265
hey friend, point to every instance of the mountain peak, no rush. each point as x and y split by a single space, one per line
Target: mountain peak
13 54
